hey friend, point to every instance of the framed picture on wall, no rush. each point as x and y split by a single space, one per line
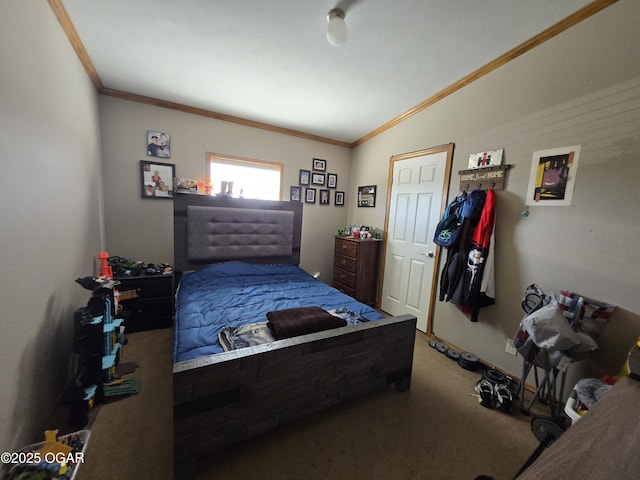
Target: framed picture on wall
310 195
317 178
324 197
339 199
158 144
319 165
295 195
332 180
305 177
156 179
367 196
553 176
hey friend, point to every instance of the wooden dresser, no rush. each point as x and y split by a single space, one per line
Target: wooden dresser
355 268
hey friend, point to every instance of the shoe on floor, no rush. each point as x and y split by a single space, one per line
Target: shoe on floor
485 393
503 397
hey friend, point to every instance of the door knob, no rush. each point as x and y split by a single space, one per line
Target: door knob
430 254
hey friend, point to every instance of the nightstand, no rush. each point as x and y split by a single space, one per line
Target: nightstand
152 303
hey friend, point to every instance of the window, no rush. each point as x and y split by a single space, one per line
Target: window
244 177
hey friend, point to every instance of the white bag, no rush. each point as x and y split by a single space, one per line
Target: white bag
548 329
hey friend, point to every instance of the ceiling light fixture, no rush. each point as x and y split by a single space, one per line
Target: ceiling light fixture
336 28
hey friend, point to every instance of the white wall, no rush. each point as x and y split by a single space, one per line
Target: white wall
581 87
51 212
142 228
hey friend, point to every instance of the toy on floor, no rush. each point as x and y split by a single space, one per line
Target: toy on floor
55 458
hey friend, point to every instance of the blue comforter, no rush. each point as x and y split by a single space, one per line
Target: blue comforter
237 293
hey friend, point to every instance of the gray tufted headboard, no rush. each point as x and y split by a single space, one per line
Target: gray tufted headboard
220 233
216 229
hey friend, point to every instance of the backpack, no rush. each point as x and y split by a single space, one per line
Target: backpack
448 229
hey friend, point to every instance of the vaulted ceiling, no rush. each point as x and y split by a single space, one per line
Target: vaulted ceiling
268 64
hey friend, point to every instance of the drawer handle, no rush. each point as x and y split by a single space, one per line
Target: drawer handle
344 247
343 262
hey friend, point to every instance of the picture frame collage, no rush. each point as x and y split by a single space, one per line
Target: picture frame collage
317 184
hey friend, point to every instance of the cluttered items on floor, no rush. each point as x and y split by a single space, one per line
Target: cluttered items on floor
55 458
555 330
494 390
99 341
465 360
589 391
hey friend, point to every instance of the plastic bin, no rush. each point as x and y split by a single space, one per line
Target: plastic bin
571 407
12 470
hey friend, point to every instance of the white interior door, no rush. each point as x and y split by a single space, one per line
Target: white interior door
410 260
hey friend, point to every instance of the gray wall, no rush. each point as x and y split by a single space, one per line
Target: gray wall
581 87
51 212
142 228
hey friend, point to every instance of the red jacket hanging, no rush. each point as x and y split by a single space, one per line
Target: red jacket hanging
468 277
482 289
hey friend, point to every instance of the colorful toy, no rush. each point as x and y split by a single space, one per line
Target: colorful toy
106 270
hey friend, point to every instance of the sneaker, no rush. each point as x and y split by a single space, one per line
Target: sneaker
485 393
503 397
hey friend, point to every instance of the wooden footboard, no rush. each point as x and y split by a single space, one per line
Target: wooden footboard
226 398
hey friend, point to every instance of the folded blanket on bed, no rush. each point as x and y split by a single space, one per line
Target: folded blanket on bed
292 322
248 335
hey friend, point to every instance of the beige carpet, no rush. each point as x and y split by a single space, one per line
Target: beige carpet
437 430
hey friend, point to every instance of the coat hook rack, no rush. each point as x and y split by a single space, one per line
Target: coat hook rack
483 178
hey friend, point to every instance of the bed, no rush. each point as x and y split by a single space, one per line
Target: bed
602 444
236 262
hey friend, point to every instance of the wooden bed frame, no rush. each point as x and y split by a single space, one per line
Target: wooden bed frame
226 398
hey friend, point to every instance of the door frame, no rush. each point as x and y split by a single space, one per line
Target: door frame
448 148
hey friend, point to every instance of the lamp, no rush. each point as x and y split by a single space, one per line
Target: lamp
336 28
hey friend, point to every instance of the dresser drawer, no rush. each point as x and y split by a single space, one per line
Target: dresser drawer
346 247
146 301
148 286
159 308
345 278
344 289
147 314
342 262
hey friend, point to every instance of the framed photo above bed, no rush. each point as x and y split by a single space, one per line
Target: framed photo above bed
339 201
296 194
158 144
319 165
317 178
305 177
156 179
